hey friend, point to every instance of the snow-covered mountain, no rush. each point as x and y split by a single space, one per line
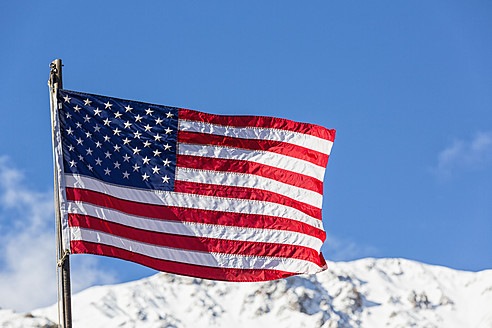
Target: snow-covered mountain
364 293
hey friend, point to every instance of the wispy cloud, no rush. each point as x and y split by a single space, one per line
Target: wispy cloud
27 248
337 249
465 154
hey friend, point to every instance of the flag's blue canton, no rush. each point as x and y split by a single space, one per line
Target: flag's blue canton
119 141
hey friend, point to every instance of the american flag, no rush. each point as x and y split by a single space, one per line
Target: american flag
234 198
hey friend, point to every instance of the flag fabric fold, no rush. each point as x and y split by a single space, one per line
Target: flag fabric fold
235 198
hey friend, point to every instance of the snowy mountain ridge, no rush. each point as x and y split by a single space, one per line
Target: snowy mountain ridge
363 293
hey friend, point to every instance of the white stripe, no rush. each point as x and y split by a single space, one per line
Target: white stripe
295 138
217 260
186 200
197 229
261 157
249 181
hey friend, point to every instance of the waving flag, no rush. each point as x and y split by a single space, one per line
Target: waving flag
234 198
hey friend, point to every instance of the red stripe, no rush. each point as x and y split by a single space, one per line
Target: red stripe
258 121
245 193
277 147
81 247
239 166
323 261
196 243
193 215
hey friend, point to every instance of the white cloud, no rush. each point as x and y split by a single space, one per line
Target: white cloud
27 247
461 154
336 249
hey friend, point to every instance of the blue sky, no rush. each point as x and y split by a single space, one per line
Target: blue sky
407 86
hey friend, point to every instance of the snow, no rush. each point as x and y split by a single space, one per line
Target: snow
364 293
12 319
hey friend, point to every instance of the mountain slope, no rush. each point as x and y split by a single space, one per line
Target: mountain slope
364 293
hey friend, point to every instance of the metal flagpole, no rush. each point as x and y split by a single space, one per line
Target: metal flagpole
56 83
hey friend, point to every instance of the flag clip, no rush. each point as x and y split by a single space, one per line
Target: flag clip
60 262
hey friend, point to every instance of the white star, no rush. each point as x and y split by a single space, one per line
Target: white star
128 108
89 151
157 137
87 102
117 114
136 151
145 177
117 165
156 169
72 163
158 121
89 167
97 128
87 118
67 99
107 121
78 125
98 144
146 143
81 158
138 118
116 131
135 167
137 135
165 179
108 154
97 112
167 147
146 160
128 124
79 141
169 115
126 141
77 108
70 131
107 138
168 130
126 175
116 148
88 134
68 115
98 161
107 171
107 105
147 128
149 112
157 152
70 148
126 158
167 162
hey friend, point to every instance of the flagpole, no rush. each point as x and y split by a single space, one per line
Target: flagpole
56 82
